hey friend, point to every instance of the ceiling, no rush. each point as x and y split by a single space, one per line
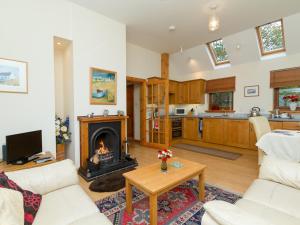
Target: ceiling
148 20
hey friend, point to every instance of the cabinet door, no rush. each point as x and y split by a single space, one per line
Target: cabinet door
291 125
213 130
237 133
275 125
190 128
196 92
172 86
185 97
179 94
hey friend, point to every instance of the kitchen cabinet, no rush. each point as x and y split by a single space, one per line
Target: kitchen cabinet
236 133
275 125
191 128
291 125
187 92
185 97
196 92
213 130
172 86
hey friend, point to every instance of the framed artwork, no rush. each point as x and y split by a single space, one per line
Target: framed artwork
13 76
251 91
103 87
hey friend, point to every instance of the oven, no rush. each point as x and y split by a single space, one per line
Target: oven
176 127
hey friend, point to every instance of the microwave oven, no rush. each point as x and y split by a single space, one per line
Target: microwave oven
179 111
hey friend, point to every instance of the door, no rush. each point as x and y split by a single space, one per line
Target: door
237 133
130 111
191 128
213 131
157 108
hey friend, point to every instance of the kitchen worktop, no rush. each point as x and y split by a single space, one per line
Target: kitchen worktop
233 117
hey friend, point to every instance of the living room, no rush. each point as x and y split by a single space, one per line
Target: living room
161 112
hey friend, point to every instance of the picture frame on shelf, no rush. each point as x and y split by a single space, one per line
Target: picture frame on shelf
103 87
13 76
251 91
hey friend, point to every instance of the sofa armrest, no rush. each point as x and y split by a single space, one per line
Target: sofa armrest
225 213
280 171
45 179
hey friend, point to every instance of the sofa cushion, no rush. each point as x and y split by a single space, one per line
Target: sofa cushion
48 178
94 219
31 201
281 171
11 207
65 206
274 195
273 216
228 214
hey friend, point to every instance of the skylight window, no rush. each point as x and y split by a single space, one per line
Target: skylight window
218 52
271 38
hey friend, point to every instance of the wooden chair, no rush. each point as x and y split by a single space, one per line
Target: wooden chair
261 127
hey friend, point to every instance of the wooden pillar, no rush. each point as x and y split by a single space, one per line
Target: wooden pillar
165 65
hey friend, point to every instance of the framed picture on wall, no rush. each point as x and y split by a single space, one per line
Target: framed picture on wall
13 76
103 87
251 91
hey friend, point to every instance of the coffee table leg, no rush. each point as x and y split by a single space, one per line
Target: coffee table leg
201 187
153 209
128 197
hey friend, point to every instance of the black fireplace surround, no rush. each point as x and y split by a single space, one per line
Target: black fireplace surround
106 148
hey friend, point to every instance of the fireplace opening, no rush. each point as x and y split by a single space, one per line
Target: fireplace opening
104 148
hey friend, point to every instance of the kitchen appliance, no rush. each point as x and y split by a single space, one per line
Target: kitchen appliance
255 111
176 127
179 111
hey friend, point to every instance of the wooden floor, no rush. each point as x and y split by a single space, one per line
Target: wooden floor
232 175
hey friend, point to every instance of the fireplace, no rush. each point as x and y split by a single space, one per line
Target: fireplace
103 146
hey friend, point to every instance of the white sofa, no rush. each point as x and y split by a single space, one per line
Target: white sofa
64 202
272 199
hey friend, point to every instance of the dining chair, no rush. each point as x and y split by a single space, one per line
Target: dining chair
261 126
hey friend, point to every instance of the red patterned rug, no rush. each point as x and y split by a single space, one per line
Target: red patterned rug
178 206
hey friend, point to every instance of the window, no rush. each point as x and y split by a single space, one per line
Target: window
271 38
221 101
218 52
280 93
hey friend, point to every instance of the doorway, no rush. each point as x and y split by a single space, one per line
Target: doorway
134 90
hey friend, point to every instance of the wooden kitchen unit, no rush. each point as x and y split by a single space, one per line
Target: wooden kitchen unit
187 92
226 134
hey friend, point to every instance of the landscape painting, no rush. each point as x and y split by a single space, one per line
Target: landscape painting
13 76
103 85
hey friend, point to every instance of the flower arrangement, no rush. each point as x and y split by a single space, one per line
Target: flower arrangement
291 98
62 130
164 154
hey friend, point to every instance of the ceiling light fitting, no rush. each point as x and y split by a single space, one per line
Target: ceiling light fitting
214 21
172 28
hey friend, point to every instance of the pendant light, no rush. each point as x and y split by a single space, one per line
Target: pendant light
214 22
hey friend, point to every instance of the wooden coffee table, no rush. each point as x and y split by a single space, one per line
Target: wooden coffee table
153 182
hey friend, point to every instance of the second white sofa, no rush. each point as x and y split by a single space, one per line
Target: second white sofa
273 199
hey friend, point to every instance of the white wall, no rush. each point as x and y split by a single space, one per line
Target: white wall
28 36
59 82
141 62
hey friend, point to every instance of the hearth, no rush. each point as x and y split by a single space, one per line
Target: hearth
103 146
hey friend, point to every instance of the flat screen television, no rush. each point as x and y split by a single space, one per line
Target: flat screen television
20 147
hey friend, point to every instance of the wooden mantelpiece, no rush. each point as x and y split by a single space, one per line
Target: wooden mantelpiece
84 133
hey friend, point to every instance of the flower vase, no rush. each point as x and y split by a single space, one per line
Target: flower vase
60 152
164 166
293 106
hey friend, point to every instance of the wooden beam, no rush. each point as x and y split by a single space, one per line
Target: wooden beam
165 65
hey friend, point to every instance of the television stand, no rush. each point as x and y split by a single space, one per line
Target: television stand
23 161
13 167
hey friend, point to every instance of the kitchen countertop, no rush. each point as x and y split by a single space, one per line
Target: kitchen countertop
233 117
